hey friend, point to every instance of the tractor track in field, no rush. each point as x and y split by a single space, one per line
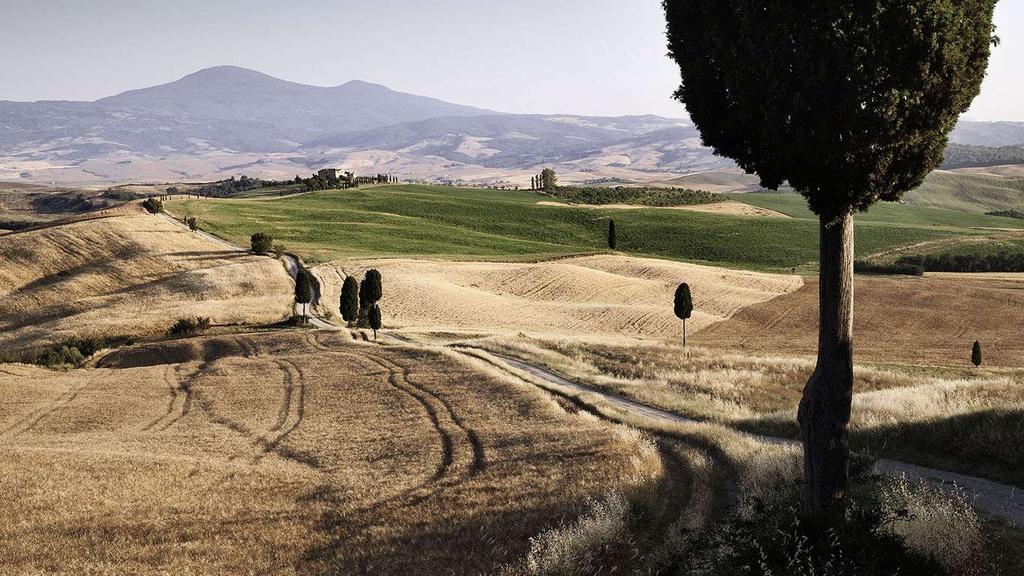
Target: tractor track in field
29 421
439 410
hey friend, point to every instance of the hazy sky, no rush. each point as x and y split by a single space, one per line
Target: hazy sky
602 57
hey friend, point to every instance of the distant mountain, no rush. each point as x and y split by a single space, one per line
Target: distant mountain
991 134
297 111
227 121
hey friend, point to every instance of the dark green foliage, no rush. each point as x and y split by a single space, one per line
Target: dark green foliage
548 180
232 187
683 302
71 352
1007 214
370 290
192 222
122 195
189 326
637 196
850 102
261 243
976 354
948 262
612 240
303 287
350 299
153 205
865 267
375 319
962 156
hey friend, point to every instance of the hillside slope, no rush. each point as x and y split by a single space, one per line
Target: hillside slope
128 274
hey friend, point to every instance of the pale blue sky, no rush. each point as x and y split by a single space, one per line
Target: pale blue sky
543 56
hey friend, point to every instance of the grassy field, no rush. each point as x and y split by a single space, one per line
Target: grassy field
409 220
292 453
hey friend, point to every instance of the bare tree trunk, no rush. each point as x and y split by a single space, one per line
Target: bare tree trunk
684 332
825 408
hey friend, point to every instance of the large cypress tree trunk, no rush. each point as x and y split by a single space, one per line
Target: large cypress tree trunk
825 408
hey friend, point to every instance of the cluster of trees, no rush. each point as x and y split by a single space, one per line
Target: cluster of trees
1007 214
360 301
318 182
642 196
998 262
962 156
866 267
546 181
153 205
231 187
386 179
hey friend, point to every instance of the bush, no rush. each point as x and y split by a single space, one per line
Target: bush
637 196
153 205
192 222
123 195
999 262
1007 214
905 269
189 326
261 243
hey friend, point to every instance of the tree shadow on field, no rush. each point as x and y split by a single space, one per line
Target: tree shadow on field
389 543
987 443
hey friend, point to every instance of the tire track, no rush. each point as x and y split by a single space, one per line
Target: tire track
173 389
31 420
399 379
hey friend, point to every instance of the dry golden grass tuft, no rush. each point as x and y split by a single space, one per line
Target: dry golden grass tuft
128 274
608 296
292 453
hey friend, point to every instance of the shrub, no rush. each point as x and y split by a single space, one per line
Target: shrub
949 262
189 326
192 222
637 196
261 243
153 205
123 195
898 269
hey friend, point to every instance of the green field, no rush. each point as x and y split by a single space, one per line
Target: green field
412 220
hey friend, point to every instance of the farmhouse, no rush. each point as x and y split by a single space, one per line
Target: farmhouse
330 174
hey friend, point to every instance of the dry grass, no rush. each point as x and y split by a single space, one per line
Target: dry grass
931 320
608 296
127 275
291 453
965 420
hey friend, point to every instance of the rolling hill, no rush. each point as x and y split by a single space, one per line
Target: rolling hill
228 121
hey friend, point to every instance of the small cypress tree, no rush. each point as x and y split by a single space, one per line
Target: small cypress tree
303 290
976 354
375 319
611 235
350 299
683 306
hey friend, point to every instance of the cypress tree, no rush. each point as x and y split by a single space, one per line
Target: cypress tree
303 290
853 105
350 299
370 292
976 354
375 319
683 306
611 235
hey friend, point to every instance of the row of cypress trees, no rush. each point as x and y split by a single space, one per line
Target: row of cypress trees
360 300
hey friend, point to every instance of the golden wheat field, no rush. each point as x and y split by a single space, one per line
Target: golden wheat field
291 453
930 320
128 273
607 296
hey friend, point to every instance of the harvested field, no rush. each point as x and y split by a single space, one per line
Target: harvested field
605 296
931 320
292 453
128 274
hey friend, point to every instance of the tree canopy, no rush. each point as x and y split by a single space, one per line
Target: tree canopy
850 102
683 302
